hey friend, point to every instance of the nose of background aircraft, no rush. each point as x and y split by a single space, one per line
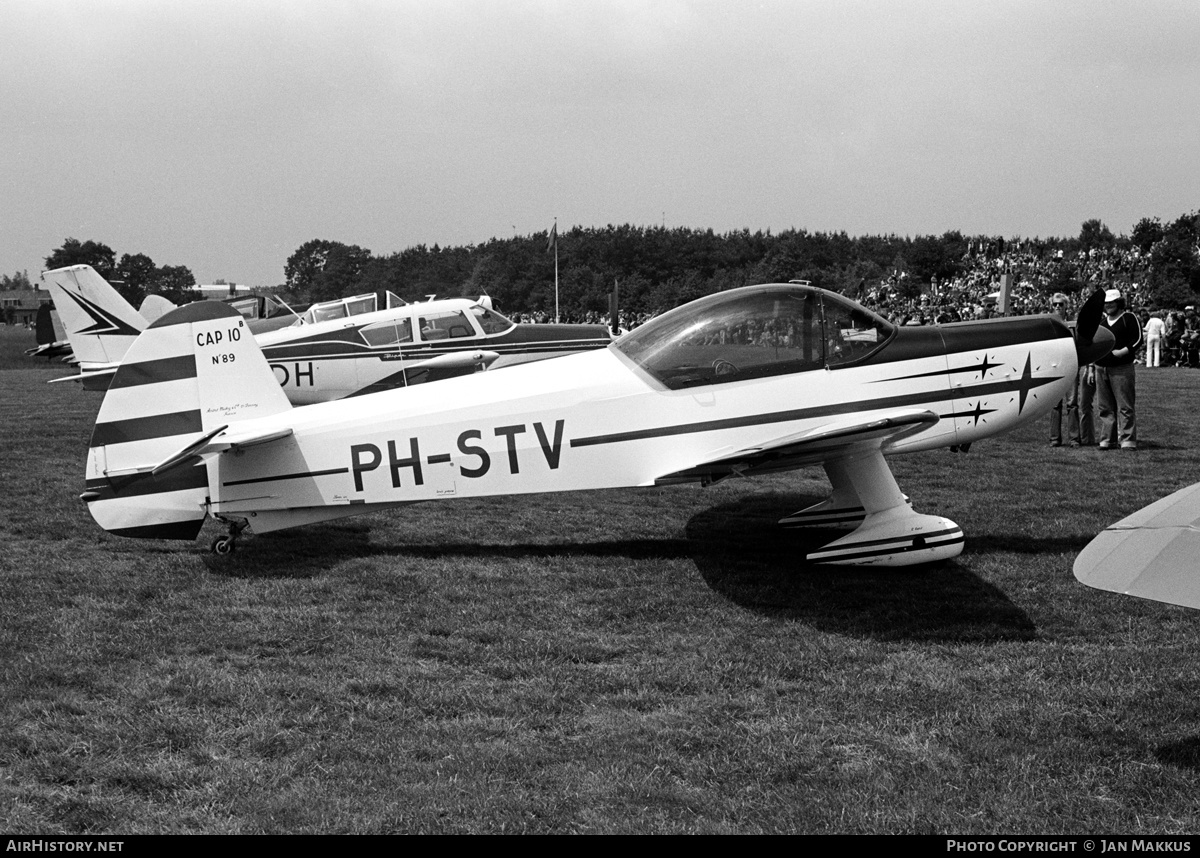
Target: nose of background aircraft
1092 342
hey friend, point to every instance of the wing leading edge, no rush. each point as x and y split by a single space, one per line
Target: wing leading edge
832 441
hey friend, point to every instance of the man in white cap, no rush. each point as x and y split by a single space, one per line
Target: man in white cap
1114 376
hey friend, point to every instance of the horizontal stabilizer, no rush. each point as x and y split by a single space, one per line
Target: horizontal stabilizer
93 379
1150 554
218 441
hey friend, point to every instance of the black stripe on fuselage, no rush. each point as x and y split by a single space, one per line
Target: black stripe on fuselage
145 428
910 343
835 408
154 371
342 350
296 476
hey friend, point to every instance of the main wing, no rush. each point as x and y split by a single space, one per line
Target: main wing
832 441
1151 554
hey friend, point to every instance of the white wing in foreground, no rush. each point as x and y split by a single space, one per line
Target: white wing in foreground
1151 554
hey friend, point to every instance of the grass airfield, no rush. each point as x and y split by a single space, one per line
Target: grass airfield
644 661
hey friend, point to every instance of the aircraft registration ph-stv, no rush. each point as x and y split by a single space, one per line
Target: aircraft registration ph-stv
337 349
750 381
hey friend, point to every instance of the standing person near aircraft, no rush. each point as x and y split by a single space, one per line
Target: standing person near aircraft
1155 332
1078 400
1115 375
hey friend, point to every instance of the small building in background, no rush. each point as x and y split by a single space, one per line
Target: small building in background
20 306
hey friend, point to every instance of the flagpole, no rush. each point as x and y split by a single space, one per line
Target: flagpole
556 319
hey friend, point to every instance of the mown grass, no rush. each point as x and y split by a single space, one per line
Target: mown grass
641 661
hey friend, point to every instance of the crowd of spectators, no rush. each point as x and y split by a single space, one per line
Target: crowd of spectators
1036 273
1036 276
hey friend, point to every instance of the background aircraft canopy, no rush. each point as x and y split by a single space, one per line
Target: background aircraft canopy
341 308
754 332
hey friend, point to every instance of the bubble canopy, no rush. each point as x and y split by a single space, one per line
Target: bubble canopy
754 332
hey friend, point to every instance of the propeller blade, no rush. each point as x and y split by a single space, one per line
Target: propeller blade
1091 341
1089 317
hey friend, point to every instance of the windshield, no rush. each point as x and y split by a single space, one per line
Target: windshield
753 332
490 322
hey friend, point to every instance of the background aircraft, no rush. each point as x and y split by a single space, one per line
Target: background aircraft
1154 553
51 337
341 348
750 381
348 347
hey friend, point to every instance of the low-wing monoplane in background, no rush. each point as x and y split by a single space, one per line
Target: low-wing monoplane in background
336 349
750 381
349 347
1151 553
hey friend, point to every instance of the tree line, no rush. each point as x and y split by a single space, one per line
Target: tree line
658 268
134 275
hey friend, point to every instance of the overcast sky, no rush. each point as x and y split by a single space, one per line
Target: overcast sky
222 136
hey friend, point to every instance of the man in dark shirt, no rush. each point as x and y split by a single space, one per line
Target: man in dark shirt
1114 375
1078 400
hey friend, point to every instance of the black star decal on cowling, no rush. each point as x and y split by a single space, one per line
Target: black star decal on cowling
976 412
1026 382
985 365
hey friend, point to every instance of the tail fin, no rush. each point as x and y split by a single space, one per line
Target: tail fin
100 323
195 370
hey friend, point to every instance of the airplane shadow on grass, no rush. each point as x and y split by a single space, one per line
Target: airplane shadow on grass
1184 753
740 552
745 556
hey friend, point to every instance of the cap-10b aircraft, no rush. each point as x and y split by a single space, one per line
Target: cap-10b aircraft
750 381
337 349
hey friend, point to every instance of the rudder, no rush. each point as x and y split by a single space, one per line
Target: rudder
195 370
100 324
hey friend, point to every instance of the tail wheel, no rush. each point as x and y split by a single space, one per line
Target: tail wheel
223 546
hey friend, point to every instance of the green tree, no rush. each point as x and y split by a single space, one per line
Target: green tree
1146 232
176 283
93 253
1095 235
321 270
1175 263
19 280
75 252
138 271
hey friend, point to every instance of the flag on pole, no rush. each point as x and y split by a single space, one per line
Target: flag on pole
552 241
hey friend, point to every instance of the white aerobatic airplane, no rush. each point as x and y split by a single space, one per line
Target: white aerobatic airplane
750 381
337 349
